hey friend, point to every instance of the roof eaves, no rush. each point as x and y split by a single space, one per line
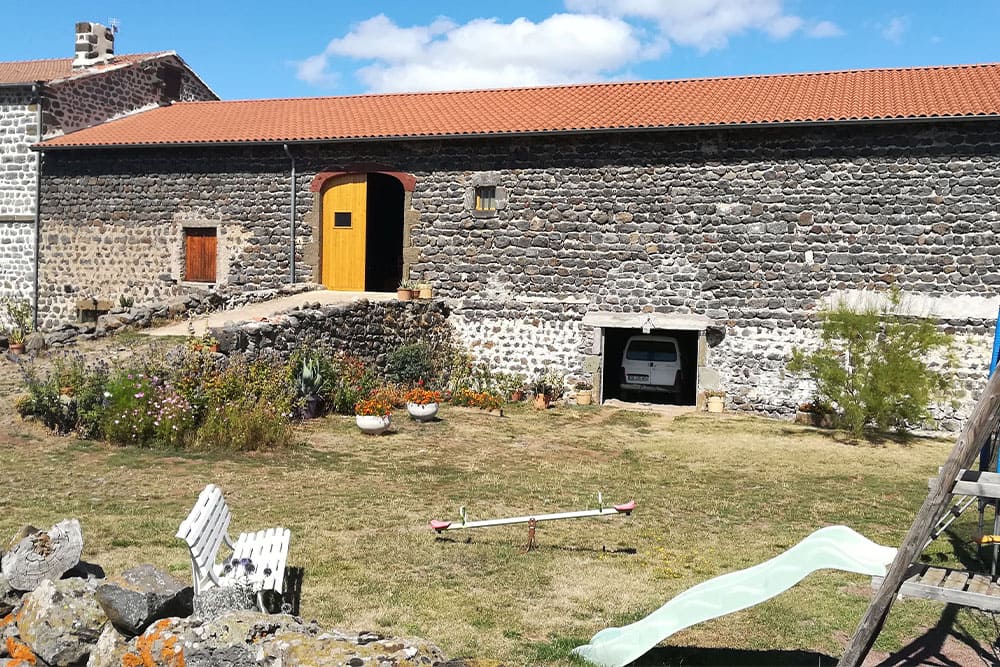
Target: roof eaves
533 133
96 70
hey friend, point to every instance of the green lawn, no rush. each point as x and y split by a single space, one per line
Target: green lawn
714 494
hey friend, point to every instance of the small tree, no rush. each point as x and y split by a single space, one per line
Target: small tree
881 369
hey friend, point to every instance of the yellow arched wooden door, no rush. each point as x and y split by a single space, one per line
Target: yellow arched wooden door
344 232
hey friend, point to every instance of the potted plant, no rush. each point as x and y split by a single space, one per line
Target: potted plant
373 415
16 313
310 385
547 387
716 400
422 404
584 395
404 292
815 413
425 290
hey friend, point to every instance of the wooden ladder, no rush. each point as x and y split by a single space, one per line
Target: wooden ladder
979 427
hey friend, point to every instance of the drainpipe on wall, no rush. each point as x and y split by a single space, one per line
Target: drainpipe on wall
36 90
291 219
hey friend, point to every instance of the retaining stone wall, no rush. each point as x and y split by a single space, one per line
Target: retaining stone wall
367 330
753 228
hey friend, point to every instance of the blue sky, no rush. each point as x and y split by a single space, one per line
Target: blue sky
306 48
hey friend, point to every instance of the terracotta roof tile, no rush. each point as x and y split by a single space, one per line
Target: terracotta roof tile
30 71
925 92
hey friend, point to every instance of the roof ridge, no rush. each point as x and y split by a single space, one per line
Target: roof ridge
70 58
609 84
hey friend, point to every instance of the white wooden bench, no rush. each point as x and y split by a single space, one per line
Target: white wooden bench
257 561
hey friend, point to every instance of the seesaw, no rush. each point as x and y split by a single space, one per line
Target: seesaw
531 520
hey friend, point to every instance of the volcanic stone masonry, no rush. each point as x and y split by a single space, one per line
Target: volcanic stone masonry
18 130
754 228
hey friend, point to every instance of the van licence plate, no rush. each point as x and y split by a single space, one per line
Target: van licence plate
637 378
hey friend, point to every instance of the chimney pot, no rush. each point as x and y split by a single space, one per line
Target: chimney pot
95 44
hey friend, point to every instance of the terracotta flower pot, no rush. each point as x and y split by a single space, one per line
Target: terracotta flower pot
425 292
584 397
422 413
16 348
541 402
403 294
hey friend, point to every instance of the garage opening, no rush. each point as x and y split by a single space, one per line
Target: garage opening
650 365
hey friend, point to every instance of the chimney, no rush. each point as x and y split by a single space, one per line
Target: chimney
95 45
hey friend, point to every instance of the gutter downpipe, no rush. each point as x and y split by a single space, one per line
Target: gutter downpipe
36 89
291 219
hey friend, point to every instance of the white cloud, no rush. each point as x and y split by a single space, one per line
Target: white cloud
894 31
483 53
594 40
824 29
702 24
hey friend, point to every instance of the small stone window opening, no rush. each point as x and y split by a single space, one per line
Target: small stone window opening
486 198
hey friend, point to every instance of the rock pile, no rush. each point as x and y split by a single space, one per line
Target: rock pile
145 618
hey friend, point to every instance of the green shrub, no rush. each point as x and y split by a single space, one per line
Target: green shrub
879 369
350 382
69 398
265 379
410 364
141 411
248 424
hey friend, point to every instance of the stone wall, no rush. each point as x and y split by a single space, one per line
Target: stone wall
753 228
17 268
18 130
367 330
83 101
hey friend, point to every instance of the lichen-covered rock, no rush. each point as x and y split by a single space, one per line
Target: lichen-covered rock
241 638
61 621
109 650
217 601
9 597
141 595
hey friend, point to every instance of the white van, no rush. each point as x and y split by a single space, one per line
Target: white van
651 364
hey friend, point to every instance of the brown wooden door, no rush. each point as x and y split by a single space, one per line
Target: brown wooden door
200 253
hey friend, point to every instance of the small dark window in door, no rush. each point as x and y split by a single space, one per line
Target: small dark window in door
200 248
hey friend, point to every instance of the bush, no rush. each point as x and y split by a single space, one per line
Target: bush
877 368
410 364
69 398
142 411
248 424
263 379
484 400
350 382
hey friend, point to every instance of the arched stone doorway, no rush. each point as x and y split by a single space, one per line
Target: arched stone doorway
361 229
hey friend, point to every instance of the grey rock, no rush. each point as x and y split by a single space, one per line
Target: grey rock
141 595
9 597
60 621
35 342
216 601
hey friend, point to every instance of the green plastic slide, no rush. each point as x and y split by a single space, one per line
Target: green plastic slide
833 547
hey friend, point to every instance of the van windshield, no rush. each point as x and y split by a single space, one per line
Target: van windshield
651 350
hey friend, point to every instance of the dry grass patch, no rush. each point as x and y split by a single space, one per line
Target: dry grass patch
714 495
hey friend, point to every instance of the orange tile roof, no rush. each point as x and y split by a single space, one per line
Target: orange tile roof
30 71
925 92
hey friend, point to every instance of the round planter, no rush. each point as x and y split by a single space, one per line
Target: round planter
542 402
425 292
16 348
584 397
403 294
372 424
716 404
422 413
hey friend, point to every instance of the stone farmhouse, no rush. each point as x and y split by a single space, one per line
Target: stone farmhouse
559 221
42 99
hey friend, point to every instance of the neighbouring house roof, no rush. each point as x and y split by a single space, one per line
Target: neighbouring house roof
824 97
31 71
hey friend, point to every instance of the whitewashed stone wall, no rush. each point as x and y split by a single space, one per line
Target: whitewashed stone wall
18 168
18 130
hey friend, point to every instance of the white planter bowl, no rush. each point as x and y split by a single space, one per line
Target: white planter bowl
372 424
422 413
